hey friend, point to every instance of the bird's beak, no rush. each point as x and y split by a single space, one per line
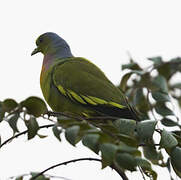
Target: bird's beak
36 50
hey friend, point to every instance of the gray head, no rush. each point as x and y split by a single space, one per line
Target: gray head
51 43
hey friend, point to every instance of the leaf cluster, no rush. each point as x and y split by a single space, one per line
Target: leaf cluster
123 144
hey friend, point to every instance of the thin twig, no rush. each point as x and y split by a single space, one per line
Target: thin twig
80 118
142 173
65 163
147 145
120 172
24 132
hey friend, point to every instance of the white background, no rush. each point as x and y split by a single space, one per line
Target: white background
102 31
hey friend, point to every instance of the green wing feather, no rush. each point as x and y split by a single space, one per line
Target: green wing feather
84 83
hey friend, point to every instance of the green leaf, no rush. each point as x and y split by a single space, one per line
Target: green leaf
41 177
122 147
161 109
138 72
35 106
143 163
91 141
160 96
167 141
13 122
177 85
176 60
109 128
160 83
65 123
9 104
156 60
140 101
19 178
132 66
168 122
32 127
177 132
145 129
41 136
177 135
108 152
152 154
71 134
146 167
130 141
124 79
125 126
57 132
138 96
126 161
175 160
2 111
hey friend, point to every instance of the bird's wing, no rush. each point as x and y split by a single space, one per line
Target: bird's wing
84 83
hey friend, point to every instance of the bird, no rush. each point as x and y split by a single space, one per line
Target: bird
75 85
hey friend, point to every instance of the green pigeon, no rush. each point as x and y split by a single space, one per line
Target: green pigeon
75 85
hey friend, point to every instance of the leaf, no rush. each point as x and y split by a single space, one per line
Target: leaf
71 134
146 167
125 126
41 177
177 85
35 106
161 109
57 132
13 122
138 96
9 104
168 165
32 127
168 122
108 152
2 111
122 147
177 135
140 101
175 160
160 96
126 161
130 141
124 79
152 154
160 83
91 141
143 163
19 178
145 129
156 60
177 132
132 66
41 136
65 123
167 141
109 128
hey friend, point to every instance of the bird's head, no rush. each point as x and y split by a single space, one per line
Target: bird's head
51 43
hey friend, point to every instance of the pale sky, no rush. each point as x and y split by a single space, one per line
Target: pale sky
102 31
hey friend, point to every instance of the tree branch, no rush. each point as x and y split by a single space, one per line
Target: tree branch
120 172
24 132
80 118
